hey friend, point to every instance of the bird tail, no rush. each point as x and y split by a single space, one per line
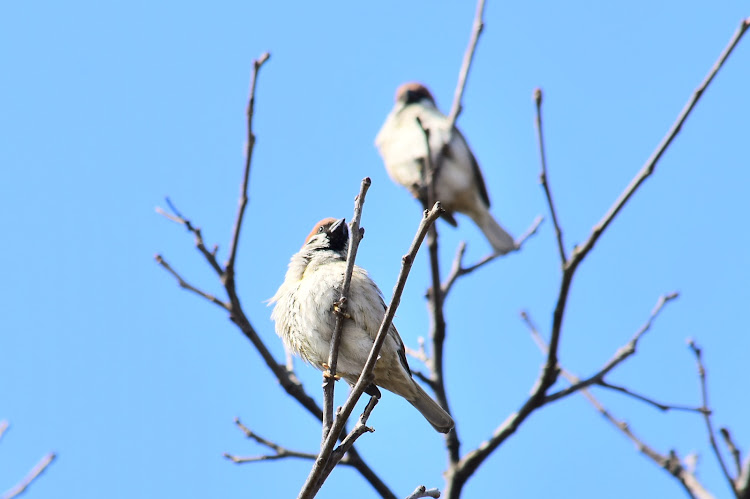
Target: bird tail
432 412
499 239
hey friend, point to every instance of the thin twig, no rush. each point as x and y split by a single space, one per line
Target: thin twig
419 354
177 217
4 425
280 452
329 377
671 464
359 429
317 475
659 405
35 472
543 176
707 415
257 64
622 353
457 270
466 64
423 491
186 285
733 449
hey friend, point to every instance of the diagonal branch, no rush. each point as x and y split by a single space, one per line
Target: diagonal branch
329 377
733 449
359 429
35 472
280 452
707 416
659 405
186 285
318 473
648 168
622 353
466 64
543 176
671 464
458 270
177 217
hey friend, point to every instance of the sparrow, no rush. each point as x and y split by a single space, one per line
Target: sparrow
304 309
459 185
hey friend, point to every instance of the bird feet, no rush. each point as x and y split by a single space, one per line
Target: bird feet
339 308
327 373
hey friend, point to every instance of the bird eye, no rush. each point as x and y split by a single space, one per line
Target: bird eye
321 229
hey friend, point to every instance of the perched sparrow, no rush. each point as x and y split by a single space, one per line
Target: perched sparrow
304 316
458 184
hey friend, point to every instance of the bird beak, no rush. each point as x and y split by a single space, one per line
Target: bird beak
338 235
338 228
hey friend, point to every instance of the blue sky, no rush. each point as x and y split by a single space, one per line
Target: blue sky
108 107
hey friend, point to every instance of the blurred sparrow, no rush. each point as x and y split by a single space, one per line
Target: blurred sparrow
304 316
459 185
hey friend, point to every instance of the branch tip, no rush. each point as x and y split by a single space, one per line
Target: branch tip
538 96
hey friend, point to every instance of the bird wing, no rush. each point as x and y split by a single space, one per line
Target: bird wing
479 180
371 313
440 134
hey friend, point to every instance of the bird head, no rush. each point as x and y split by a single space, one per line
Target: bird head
414 93
329 234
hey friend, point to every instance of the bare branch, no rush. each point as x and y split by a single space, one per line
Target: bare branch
659 405
471 461
35 472
329 377
466 64
457 270
459 474
4 425
648 168
543 176
423 491
733 450
622 353
436 297
257 64
283 374
280 452
743 480
671 463
186 285
529 232
707 415
359 429
419 354
177 217
424 379
317 475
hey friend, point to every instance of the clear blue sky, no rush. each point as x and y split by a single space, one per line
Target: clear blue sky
107 107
